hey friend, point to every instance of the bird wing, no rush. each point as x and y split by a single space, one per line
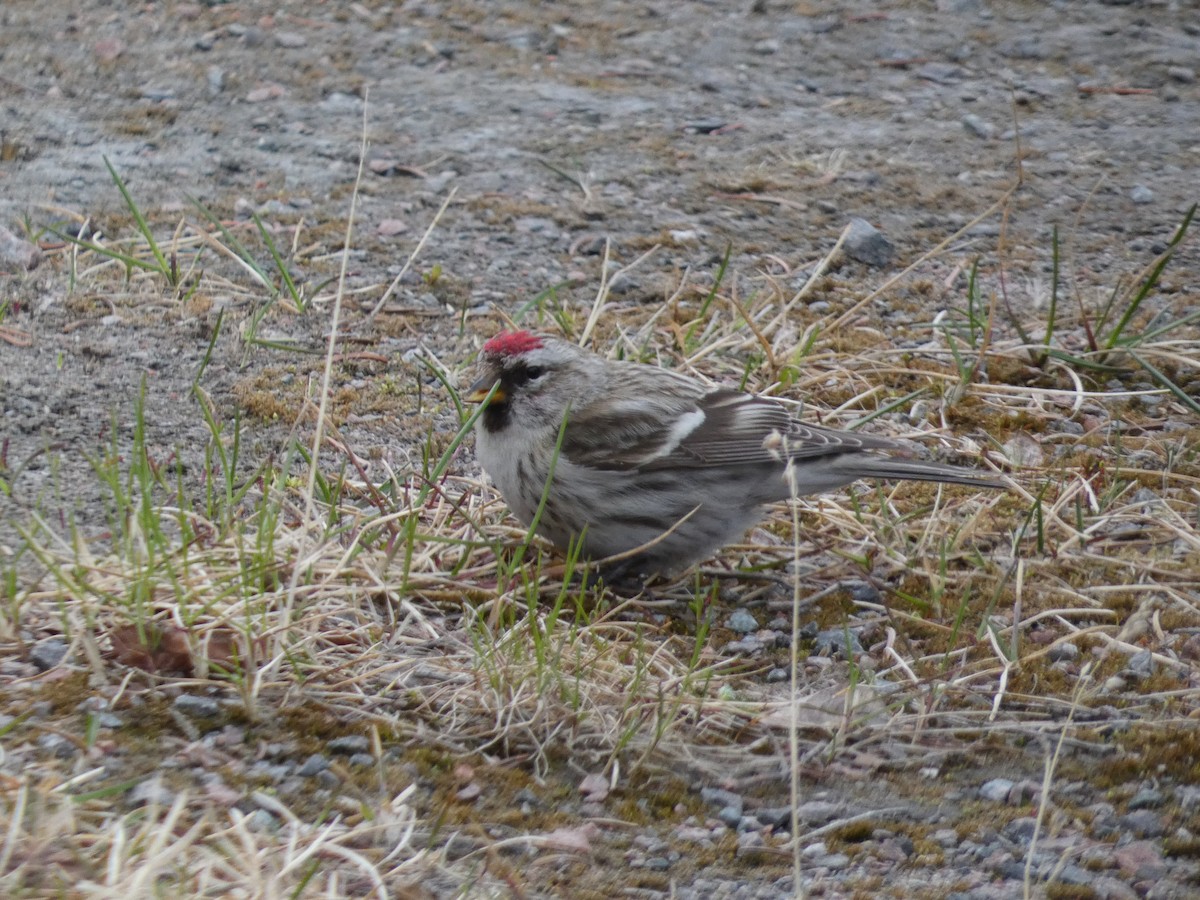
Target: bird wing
708 427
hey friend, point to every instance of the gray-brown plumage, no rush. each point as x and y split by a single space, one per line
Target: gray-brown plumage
649 456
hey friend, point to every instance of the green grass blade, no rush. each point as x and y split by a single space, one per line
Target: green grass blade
1161 378
284 274
208 351
130 262
887 408
1149 283
1055 264
237 246
143 226
717 281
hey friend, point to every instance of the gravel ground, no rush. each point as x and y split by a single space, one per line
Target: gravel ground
690 125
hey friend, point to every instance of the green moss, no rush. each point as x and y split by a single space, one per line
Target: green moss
1169 750
1182 848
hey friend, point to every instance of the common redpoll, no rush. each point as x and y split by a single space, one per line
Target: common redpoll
642 457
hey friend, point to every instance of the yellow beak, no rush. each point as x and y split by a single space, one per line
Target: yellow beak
478 392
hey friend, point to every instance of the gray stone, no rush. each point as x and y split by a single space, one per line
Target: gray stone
731 815
1143 823
151 792
1141 664
836 642
979 127
723 798
1021 830
1146 798
18 253
741 621
290 40
818 812
312 766
349 743
262 821
867 244
996 790
48 653
57 745
197 707
1063 653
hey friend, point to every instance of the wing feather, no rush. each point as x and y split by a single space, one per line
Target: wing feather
711 427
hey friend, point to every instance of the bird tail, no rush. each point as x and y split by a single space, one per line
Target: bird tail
861 465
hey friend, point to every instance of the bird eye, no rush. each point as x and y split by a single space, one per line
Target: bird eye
535 372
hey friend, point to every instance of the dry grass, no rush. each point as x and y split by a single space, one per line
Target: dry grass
388 604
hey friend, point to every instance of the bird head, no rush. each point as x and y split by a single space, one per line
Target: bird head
536 379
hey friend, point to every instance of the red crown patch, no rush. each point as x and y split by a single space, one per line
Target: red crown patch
512 343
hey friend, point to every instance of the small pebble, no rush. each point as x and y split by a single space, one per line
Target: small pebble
836 642
151 792
57 745
947 837
272 772
723 798
262 821
818 812
18 253
863 592
349 743
469 793
996 790
731 815
215 78
749 646
1146 798
867 244
197 707
741 621
1020 830
749 840
48 653
391 227
1141 664
704 127
312 766
815 850
978 126
1063 653
290 40
1143 823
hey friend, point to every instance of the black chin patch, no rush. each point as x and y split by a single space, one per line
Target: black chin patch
495 417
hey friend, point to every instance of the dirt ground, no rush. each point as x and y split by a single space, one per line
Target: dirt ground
678 127
685 125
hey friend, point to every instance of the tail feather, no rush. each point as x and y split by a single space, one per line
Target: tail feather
861 465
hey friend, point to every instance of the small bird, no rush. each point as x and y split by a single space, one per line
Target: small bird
650 466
